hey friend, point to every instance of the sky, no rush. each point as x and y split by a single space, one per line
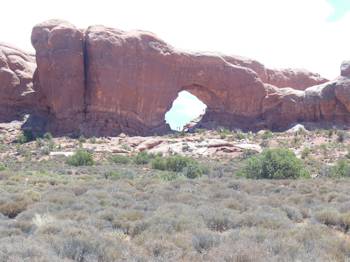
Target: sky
309 34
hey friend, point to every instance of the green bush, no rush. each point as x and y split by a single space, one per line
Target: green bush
239 135
277 163
120 159
224 132
267 135
81 158
193 170
177 163
341 169
189 167
47 136
143 158
159 163
341 136
25 137
114 175
305 153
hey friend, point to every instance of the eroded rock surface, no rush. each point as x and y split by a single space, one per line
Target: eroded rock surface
104 81
16 82
299 79
60 58
345 69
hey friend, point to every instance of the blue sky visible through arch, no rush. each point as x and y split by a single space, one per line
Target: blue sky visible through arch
341 7
185 108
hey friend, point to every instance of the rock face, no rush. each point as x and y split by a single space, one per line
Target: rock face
299 79
17 92
104 81
345 69
133 78
60 59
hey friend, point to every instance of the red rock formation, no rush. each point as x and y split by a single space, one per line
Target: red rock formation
345 69
299 79
295 78
133 78
59 56
104 81
16 83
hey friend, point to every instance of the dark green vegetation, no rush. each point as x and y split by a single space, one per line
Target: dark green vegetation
81 158
277 163
180 164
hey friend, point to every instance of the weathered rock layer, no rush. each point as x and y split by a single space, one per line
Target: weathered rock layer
104 81
17 94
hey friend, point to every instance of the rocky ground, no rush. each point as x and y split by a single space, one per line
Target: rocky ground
120 209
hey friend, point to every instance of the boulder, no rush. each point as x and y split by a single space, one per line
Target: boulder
345 69
16 83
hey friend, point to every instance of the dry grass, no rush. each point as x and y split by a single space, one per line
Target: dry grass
117 210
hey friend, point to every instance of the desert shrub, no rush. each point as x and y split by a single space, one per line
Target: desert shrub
224 132
305 153
246 153
341 169
170 176
267 135
12 208
330 133
329 217
345 221
203 241
143 158
25 137
217 219
82 139
265 143
126 147
293 213
159 163
81 158
120 159
2 167
114 175
274 164
47 136
341 136
177 163
188 166
93 140
239 135
193 170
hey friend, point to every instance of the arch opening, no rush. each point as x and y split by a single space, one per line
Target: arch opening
185 109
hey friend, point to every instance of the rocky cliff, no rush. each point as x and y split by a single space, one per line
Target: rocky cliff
104 81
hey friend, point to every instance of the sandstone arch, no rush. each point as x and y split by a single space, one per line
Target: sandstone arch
104 81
